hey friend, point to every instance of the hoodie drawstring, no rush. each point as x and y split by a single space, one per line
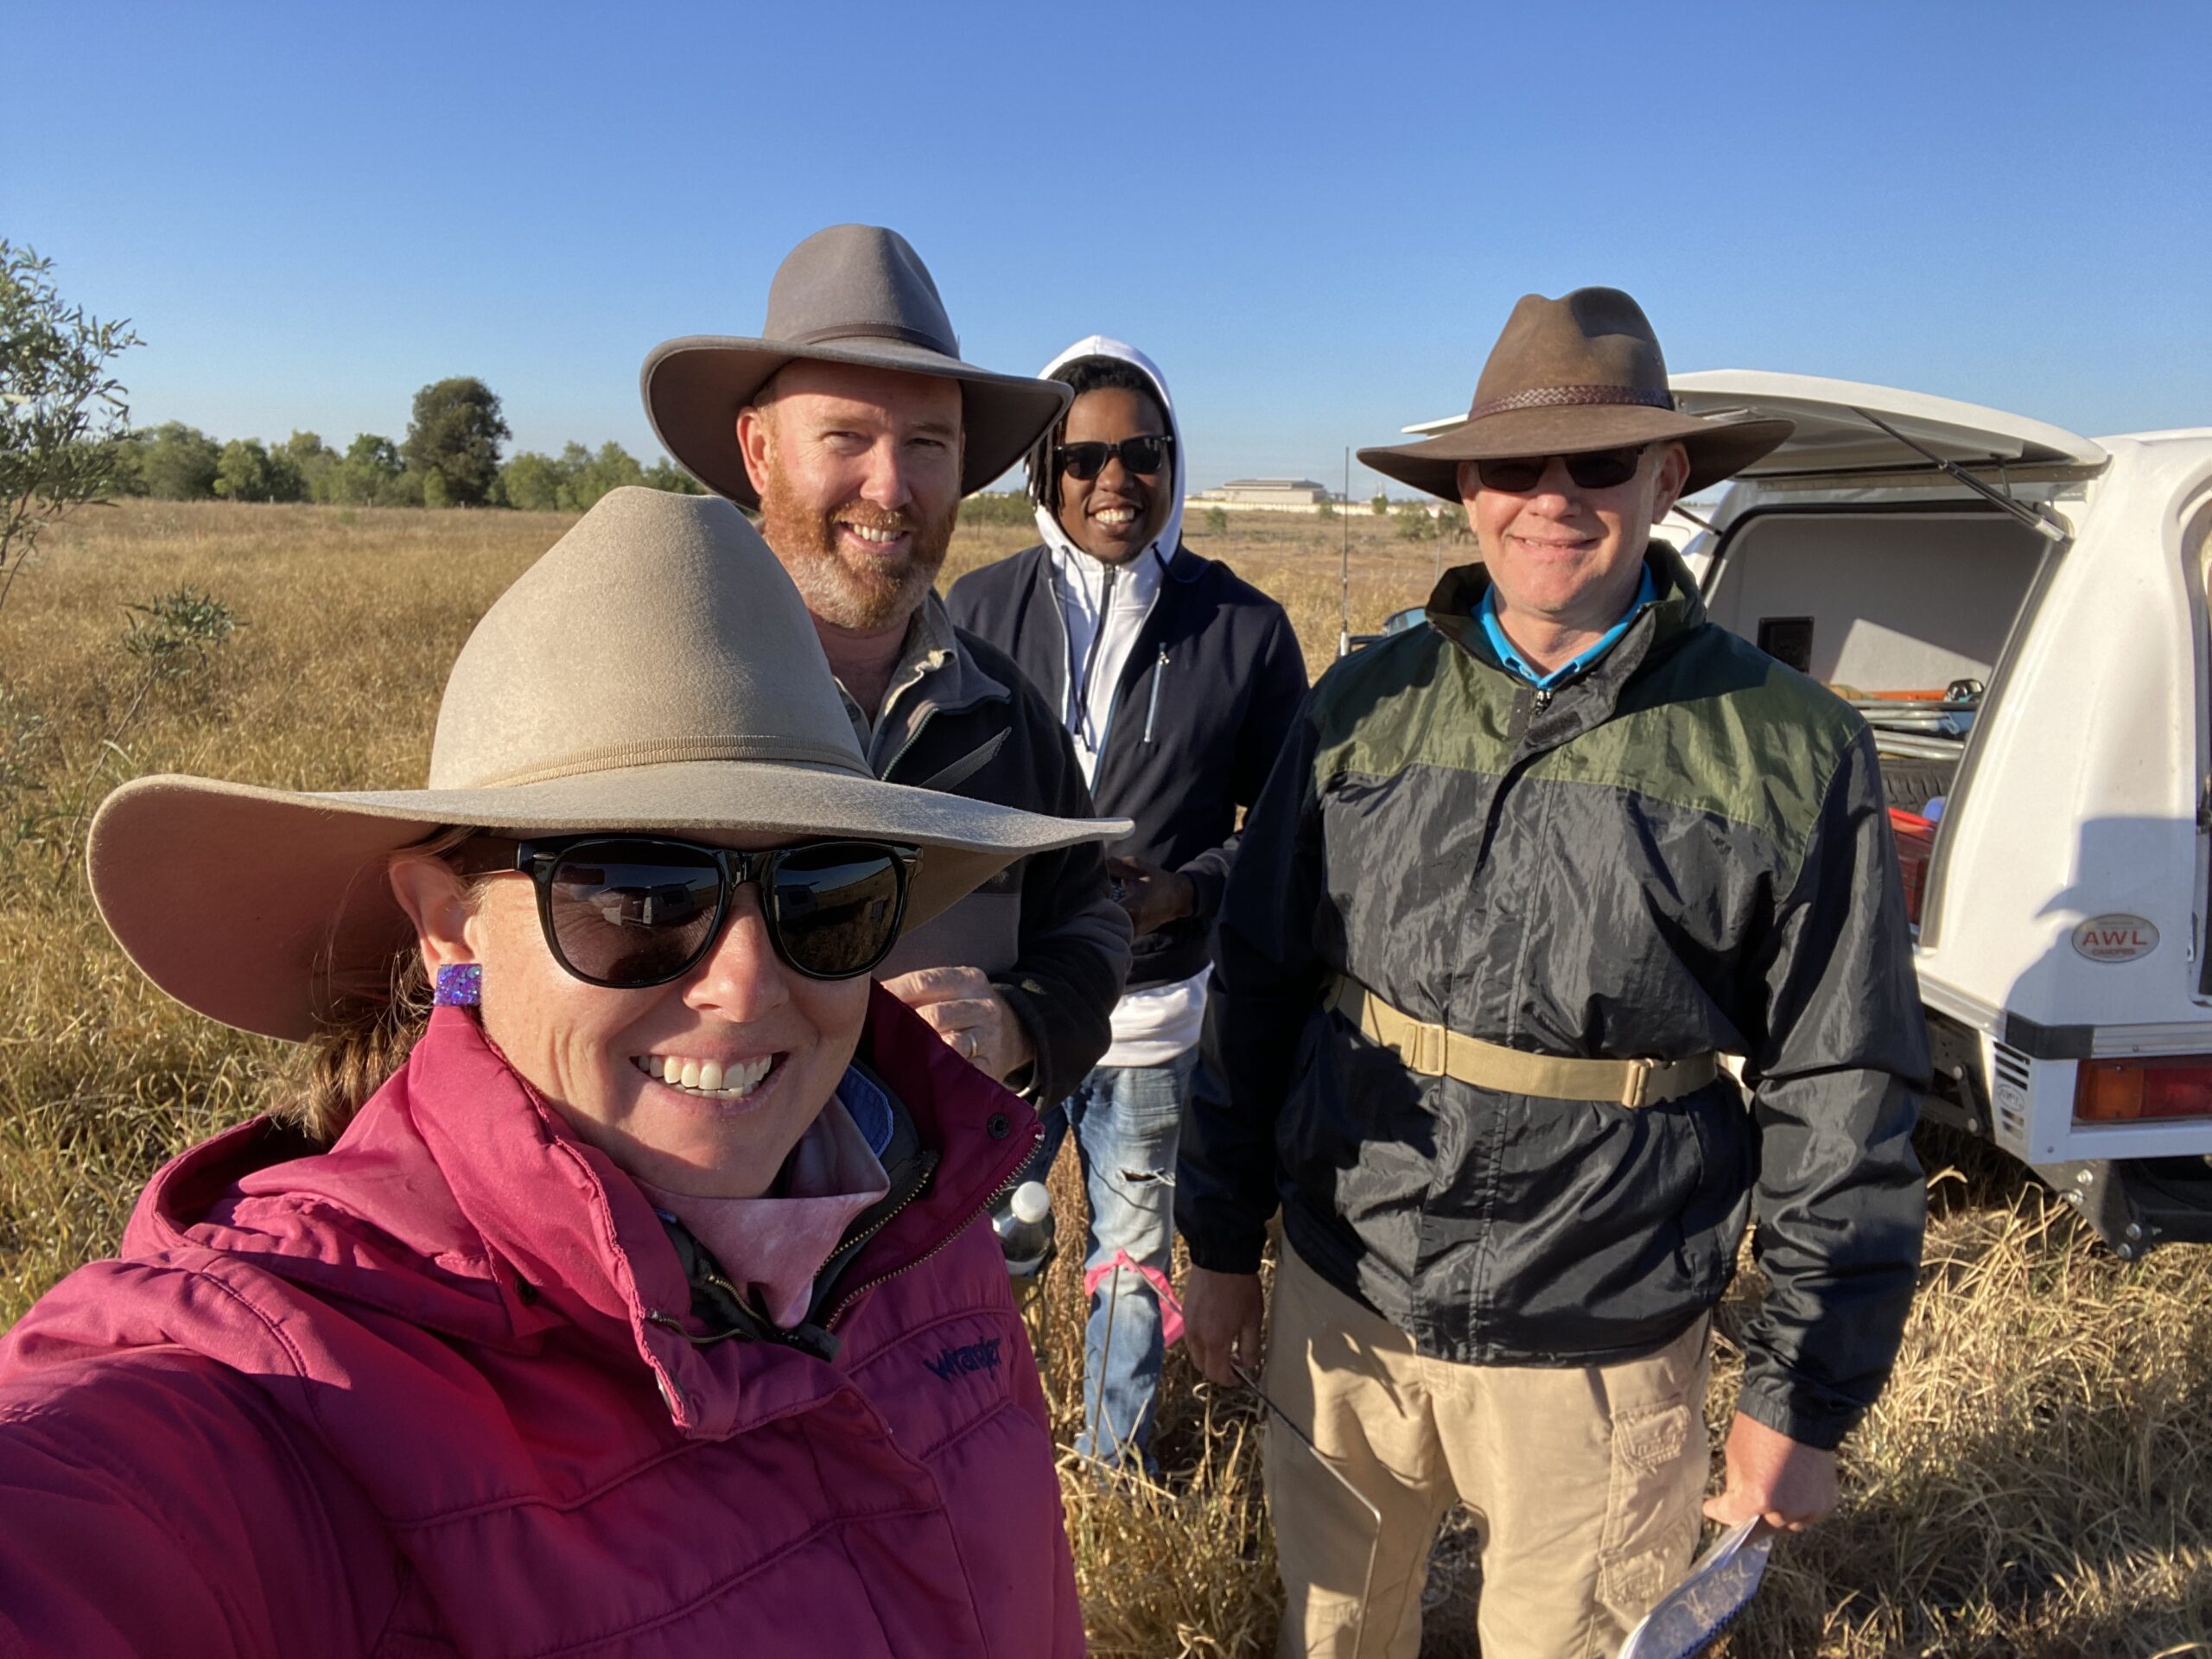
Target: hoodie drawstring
1079 690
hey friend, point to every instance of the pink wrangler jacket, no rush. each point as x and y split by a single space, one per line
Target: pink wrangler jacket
430 1392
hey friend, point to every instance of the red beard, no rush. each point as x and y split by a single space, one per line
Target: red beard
852 590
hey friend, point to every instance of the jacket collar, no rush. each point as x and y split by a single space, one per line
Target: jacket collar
1454 605
459 1200
1653 633
936 675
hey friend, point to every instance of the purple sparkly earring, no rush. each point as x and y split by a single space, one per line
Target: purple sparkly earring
461 985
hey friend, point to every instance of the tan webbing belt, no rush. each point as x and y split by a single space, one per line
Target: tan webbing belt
1439 1052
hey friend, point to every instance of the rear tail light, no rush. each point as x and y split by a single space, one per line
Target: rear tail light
2127 1091
1916 839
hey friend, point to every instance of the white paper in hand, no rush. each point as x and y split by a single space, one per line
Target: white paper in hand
1720 1584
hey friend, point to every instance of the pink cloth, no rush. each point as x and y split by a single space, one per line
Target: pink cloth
423 1394
1170 1310
771 1246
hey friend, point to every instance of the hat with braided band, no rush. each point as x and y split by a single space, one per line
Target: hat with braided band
1580 372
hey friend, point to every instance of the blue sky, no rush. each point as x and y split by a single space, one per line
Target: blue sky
1315 219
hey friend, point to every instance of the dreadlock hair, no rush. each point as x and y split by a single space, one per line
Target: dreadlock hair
1084 374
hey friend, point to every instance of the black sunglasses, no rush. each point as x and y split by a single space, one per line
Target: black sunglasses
1594 470
627 912
1085 461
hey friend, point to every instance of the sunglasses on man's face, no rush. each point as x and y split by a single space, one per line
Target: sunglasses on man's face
1594 470
629 911
1085 461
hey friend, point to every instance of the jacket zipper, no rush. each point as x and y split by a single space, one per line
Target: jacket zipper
912 738
1005 1186
852 1247
1152 713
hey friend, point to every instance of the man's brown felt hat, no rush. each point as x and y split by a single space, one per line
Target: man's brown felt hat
1577 373
854 294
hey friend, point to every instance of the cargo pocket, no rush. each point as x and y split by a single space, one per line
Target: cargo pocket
1637 1561
1660 1460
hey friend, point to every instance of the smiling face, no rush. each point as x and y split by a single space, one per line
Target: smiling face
859 475
701 1086
1116 516
1566 556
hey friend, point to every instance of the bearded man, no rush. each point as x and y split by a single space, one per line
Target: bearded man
853 428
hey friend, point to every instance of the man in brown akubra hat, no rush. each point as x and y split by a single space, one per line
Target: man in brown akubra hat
1518 881
854 428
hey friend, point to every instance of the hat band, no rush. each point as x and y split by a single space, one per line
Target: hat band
1572 398
876 331
667 751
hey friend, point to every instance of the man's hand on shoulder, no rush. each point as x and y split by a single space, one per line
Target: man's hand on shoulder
1787 1483
964 1007
1221 1322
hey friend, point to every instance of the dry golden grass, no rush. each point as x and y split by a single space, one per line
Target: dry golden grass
2034 1482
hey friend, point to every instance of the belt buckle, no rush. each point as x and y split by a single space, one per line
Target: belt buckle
1431 1050
1639 1080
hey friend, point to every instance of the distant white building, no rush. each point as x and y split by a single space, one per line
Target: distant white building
1265 495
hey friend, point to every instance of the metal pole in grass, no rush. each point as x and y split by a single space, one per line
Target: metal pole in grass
1344 570
1282 1418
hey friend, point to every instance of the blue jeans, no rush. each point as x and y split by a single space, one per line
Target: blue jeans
1125 1119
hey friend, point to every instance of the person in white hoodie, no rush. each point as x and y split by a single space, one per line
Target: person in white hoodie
1177 682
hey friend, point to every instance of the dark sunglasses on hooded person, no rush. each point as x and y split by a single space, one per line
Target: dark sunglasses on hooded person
1144 455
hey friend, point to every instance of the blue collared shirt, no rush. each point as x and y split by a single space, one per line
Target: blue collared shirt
1647 593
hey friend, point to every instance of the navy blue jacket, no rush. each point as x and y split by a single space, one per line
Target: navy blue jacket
1210 692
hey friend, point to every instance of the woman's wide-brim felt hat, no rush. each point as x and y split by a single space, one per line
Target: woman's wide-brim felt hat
1580 372
654 670
852 294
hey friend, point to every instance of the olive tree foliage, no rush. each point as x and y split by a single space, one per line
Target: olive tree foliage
1010 508
61 412
573 480
665 474
453 441
171 462
247 470
372 473
1415 523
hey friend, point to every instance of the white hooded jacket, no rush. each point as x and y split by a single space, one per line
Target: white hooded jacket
1095 660
1155 1025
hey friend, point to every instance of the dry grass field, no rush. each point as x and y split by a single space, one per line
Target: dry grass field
2035 1482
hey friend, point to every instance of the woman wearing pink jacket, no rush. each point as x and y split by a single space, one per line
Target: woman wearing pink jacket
627 1300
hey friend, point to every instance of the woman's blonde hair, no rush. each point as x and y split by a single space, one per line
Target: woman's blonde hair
369 1033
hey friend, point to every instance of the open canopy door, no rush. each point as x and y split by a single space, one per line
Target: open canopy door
1835 434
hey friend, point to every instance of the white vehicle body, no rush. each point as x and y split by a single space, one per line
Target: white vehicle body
2063 913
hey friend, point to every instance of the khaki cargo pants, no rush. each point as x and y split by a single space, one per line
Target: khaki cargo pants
1586 1483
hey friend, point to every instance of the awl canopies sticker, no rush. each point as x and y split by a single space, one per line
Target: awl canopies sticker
2116 938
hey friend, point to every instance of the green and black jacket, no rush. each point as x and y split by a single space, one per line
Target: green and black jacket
1686 849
